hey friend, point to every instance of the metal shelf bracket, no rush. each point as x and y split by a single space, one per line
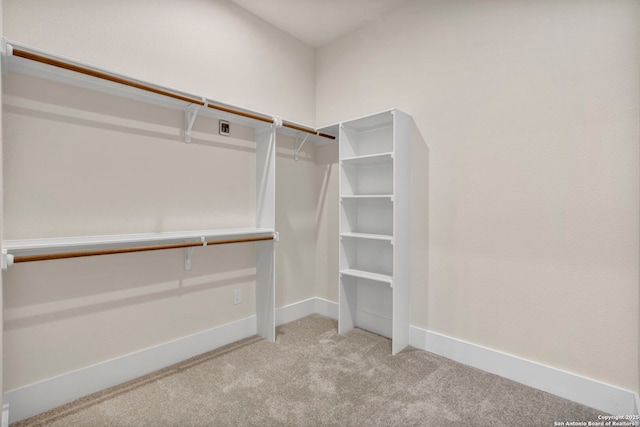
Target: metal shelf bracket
190 115
188 253
298 146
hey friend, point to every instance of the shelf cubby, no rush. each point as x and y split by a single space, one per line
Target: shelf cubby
367 215
367 136
368 178
369 299
367 255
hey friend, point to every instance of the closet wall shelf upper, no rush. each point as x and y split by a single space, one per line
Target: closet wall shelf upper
26 250
24 59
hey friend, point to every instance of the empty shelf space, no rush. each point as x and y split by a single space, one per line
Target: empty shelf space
365 137
368 215
384 237
383 119
371 255
368 275
368 178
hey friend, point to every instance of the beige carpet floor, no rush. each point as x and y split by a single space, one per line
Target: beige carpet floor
313 377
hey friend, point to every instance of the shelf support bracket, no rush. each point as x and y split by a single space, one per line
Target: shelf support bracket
7 50
7 259
298 146
188 253
5 47
190 115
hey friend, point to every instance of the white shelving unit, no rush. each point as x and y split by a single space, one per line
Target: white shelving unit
23 59
19 58
375 226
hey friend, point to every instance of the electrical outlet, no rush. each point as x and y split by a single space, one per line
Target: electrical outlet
225 129
237 296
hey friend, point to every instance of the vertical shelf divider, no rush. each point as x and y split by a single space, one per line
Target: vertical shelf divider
266 217
401 230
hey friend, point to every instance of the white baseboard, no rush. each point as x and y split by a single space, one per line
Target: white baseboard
300 309
374 323
326 308
32 399
295 311
589 392
586 391
5 416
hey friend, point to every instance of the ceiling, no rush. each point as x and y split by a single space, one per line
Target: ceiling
318 22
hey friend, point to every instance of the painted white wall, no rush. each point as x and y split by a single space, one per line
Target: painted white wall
80 163
211 48
530 110
327 229
76 163
295 221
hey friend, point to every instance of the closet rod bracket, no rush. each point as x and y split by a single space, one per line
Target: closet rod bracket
7 259
188 253
7 50
298 146
5 47
190 114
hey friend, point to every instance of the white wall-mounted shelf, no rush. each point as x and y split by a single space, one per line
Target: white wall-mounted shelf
56 245
388 197
26 250
368 159
20 58
383 278
370 236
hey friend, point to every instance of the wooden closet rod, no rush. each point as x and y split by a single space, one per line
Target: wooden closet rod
130 83
126 82
78 254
